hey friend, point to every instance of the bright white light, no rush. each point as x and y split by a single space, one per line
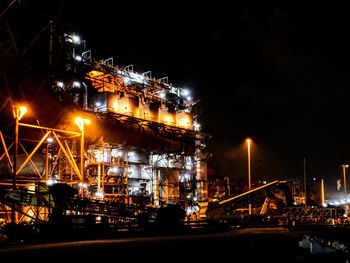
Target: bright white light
196 126
50 140
76 39
162 95
126 80
98 218
51 182
98 104
78 58
137 77
185 92
188 98
84 185
99 194
60 84
324 205
76 84
186 177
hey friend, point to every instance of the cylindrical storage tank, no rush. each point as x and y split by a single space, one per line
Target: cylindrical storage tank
184 120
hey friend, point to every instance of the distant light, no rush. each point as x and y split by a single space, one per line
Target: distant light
76 39
99 194
76 84
51 182
50 140
196 126
185 92
60 84
78 58
162 95
98 218
83 185
324 205
189 98
98 104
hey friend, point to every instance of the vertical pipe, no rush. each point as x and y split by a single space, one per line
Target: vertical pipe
85 97
82 157
99 177
103 168
127 177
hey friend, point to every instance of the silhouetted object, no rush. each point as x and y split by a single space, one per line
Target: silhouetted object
61 194
171 216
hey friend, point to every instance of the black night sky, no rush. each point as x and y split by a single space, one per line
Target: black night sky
278 73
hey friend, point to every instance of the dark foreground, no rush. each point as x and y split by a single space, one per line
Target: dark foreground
239 245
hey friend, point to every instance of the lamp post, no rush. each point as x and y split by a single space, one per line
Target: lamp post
18 113
345 193
81 124
249 170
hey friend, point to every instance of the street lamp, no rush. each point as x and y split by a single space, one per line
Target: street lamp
345 193
249 171
18 113
81 124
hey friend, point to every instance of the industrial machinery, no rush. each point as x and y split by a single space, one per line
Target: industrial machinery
265 200
113 134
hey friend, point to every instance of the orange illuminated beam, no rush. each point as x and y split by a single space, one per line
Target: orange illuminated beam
31 161
33 152
5 149
71 161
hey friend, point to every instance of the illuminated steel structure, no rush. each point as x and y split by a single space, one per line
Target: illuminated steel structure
146 140
143 144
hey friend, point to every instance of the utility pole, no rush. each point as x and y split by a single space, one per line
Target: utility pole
305 181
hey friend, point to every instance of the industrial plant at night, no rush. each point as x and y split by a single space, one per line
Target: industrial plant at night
133 139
